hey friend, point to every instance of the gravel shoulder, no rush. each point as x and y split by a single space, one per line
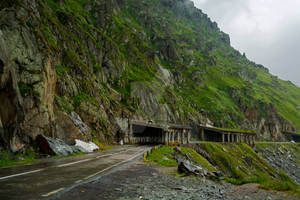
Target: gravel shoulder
143 181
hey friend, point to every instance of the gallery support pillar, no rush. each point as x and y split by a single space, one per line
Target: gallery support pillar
130 134
202 134
173 136
166 137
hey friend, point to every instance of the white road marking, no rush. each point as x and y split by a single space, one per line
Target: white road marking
106 155
53 192
80 161
21 174
78 181
111 154
136 155
73 163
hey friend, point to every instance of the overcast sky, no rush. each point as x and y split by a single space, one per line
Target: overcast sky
268 31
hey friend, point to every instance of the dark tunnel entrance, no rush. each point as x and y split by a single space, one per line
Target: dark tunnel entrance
212 136
296 138
147 134
292 136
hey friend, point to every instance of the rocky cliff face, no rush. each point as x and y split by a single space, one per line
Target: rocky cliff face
70 68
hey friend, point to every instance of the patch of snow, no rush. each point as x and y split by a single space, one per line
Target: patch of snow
89 147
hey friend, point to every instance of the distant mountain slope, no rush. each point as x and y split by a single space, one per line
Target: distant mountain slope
212 76
145 59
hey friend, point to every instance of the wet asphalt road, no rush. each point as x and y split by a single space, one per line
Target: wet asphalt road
44 180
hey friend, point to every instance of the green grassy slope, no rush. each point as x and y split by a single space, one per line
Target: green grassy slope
216 78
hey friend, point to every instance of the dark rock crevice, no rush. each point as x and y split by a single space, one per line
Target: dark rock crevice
11 118
1 67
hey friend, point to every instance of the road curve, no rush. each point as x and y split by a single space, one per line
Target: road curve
45 179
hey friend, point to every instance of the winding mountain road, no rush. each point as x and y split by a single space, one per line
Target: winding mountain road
46 179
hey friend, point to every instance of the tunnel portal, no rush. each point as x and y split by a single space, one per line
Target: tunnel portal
147 134
291 136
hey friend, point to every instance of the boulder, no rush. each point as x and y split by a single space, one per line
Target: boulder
187 166
53 146
88 147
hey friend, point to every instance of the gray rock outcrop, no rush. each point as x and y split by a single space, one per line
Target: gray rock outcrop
283 157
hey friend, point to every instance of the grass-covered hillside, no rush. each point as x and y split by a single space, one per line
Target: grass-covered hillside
212 77
163 60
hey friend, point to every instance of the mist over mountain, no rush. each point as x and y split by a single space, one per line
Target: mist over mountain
267 31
